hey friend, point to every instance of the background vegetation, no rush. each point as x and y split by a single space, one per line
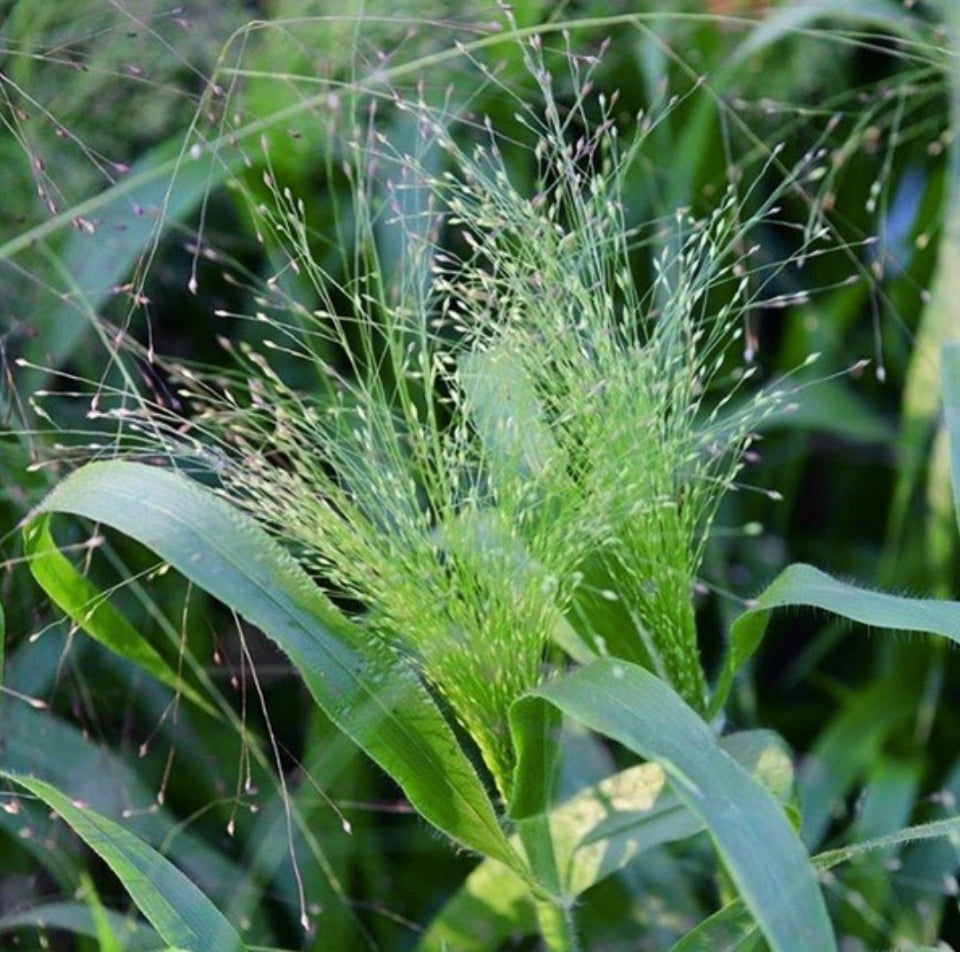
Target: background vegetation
140 143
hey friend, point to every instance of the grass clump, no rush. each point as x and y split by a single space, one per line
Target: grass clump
487 381
493 435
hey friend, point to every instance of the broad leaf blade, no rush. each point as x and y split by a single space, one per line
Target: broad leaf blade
761 851
364 690
609 825
176 908
597 832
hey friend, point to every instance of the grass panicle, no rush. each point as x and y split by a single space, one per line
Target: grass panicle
481 439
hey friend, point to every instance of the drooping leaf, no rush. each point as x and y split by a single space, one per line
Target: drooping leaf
802 585
78 918
597 832
90 610
176 908
756 842
788 20
371 696
37 744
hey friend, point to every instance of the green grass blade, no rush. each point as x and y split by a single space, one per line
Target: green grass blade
596 833
793 18
90 610
760 849
925 861
78 918
129 223
535 780
845 750
732 927
920 434
802 585
937 326
39 744
364 689
104 932
178 910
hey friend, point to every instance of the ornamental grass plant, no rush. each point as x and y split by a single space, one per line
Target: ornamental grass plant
457 437
489 436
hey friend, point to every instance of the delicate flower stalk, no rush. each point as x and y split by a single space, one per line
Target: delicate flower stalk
490 438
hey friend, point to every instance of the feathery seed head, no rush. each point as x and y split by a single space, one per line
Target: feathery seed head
492 437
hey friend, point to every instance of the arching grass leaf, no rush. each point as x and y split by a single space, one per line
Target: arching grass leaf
78 918
178 910
756 842
802 585
372 697
90 610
